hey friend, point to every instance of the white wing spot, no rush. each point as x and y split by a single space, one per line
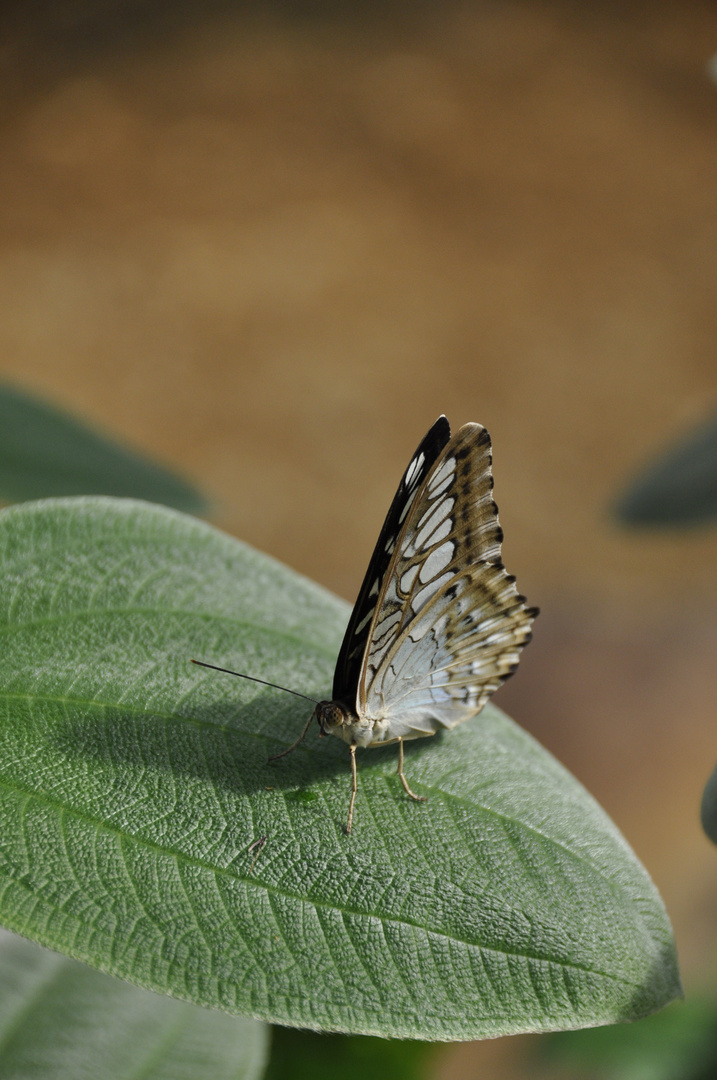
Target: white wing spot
445 472
421 628
433 493
407 507
442 531
366 619
436 561
424 595
413 469
441 511
383 630
408 579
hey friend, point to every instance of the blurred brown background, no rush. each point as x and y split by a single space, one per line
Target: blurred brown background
270 244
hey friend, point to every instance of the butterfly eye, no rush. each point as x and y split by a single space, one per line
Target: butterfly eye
329 715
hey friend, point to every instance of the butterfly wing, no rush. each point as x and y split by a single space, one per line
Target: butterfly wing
449 624
348 665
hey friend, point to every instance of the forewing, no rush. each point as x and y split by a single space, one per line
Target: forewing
449 623
348 665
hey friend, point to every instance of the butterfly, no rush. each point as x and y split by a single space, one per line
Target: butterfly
439 623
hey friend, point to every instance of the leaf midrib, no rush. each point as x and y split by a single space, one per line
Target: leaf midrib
253 881
265 738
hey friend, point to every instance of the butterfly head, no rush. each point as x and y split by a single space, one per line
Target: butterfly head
331 717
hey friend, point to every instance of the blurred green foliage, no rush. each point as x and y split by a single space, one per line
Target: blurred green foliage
708 810
46 452
678 488
61 1020
680 1043
308 1055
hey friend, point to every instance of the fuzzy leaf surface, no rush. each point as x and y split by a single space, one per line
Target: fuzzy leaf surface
133 786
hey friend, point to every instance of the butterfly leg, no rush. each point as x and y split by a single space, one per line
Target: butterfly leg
404 781
275 757
354 786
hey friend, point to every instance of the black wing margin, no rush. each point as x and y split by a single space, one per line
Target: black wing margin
348 665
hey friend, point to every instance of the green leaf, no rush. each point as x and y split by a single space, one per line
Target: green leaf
44 451
63 1020
134 787
679 488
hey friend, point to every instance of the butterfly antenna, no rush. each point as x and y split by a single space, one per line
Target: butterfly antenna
251 678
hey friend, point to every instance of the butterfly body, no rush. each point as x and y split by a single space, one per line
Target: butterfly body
335 718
